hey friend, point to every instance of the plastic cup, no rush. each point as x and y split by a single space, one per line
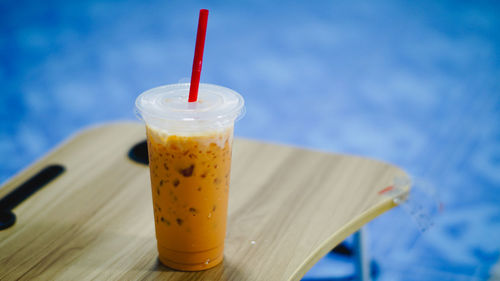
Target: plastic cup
189 146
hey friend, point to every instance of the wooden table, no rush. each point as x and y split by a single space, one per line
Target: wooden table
288 207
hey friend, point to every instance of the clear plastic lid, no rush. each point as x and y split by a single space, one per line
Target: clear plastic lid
167 108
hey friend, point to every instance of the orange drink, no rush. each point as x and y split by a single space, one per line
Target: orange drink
190 166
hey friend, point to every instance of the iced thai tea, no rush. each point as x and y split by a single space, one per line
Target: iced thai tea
190 185
189 146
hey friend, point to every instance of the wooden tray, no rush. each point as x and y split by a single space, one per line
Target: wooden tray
288 207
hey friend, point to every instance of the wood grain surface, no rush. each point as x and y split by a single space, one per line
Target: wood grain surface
288 207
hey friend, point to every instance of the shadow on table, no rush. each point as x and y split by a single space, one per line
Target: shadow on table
224 271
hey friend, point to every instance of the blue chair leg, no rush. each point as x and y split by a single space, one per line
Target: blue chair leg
361 259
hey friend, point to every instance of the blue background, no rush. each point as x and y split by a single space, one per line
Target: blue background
415 83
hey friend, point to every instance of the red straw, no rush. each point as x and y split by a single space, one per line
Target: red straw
198 55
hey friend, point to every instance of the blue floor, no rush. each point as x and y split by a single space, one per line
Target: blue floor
414 83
